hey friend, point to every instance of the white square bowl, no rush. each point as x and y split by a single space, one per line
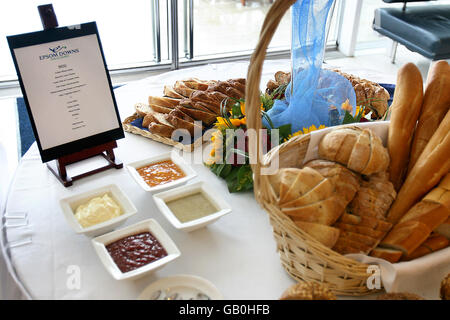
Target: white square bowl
70 204
149 225
162 198
179 161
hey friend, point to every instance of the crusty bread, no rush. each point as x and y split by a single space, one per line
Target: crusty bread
200 115
399 296
406 236
374 197
180 123
163 101
142 109
324 234
181 88
444 229
293 187
325 211
161 129
432 165
426 215
322 191
434 243
170 92
161 109
308 291
196 84
436 103
390 255
360 150
149 118
405 111
445 288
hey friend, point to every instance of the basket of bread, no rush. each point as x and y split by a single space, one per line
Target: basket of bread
381 189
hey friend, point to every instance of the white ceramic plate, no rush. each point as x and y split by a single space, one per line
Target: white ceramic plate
149 225
187 287
179 161
162 198
70 204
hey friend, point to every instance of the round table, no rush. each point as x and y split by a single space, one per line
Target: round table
237 253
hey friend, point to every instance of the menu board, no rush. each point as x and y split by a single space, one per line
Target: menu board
67 89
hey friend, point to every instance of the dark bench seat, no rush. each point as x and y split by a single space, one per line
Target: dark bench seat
423 29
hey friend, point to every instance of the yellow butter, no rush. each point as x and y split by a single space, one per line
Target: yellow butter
97 210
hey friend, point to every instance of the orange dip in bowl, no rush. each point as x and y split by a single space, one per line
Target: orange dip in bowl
159 173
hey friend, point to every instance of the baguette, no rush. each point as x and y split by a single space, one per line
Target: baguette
163 101
142 109
432 165
434 243
436 103
161 129
406 237
390 255
170 92
426 216
444 229
405 111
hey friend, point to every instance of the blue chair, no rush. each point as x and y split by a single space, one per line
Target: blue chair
424 29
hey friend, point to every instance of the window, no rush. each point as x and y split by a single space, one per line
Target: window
143 33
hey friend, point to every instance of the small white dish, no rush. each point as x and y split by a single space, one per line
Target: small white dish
70 204
184 287
179 161
162 198
149 225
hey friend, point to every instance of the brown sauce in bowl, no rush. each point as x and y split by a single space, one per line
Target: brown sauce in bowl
135 251
160 173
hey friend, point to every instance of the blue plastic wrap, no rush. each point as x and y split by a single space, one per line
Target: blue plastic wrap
317 94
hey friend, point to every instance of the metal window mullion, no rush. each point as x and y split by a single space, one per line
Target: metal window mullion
156 30
174 33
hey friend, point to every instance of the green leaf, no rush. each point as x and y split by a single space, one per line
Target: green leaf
348 118
284 131
226 171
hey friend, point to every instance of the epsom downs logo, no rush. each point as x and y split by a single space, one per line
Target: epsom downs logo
58 53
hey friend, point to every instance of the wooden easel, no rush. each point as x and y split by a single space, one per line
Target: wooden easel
58 166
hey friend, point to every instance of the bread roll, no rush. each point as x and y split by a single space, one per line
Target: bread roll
308 291
360 150
436 103
324 234
445 288
405 111
399 296
432 165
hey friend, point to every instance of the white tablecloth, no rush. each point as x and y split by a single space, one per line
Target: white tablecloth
237 253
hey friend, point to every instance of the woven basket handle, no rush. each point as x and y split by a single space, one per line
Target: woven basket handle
252 91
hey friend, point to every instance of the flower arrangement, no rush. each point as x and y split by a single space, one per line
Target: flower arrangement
229 159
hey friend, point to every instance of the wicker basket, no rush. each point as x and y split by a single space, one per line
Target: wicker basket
302 256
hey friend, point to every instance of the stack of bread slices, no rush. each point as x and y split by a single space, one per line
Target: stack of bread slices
190 104
389 202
